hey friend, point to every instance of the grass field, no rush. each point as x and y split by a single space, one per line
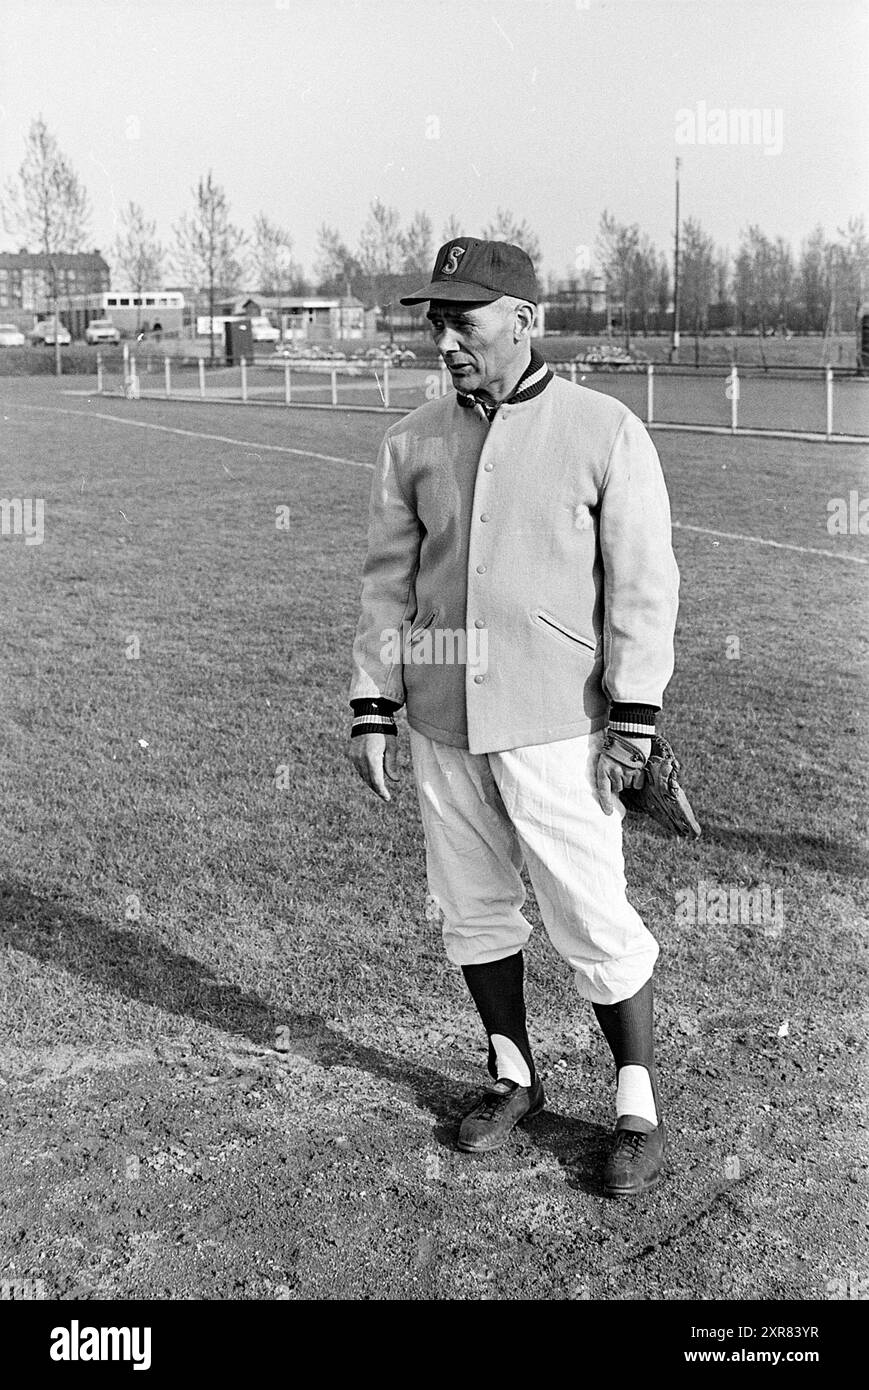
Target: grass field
232 1049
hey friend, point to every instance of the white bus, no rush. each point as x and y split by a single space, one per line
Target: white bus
132 312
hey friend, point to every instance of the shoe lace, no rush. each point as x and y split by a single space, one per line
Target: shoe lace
630 1143
492 1102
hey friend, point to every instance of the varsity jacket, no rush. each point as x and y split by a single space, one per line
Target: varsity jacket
520 585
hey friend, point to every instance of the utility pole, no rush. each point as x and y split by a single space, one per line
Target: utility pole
58 366
674 350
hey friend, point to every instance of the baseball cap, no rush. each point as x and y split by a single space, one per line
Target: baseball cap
469 269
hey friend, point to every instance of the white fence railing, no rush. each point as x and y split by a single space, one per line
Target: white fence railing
830 405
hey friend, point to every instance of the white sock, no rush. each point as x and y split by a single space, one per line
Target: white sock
634 1094
510 1063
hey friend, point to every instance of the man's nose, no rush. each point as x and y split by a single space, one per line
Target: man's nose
446 341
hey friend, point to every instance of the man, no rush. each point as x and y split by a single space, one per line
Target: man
530 517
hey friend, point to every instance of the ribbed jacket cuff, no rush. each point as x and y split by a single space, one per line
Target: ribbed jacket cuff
373 717
638 720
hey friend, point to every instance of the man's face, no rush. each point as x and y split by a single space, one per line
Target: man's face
475 340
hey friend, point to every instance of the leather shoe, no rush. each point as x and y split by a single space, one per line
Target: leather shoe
637 1157
491 1121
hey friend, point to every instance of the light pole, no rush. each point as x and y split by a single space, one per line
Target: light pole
674 350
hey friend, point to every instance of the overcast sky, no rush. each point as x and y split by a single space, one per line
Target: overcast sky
556 109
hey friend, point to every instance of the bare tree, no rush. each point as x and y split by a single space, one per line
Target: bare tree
47 206
451 229
854 262
742 288
782 271
812 279
337 268
138 253
645 277
380 252
722 284
272 257
505 227
662 290
617 247
380 243
759 259
416 245
698 277
209 247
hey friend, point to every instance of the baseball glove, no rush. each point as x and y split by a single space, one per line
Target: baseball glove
661 795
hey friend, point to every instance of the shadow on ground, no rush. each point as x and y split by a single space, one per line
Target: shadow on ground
135 966
803 851
806 851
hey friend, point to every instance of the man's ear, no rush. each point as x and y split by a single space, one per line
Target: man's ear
524 321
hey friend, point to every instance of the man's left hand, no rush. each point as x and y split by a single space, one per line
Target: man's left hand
619 766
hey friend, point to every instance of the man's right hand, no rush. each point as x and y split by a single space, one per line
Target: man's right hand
375 757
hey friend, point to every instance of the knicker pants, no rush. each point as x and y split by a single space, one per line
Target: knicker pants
487 814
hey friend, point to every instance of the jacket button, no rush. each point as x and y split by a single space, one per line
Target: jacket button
484 516
481 569
487 467
479 622
478 680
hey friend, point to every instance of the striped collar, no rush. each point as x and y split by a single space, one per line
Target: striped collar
535 378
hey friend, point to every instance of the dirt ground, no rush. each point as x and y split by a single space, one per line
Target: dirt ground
208 1169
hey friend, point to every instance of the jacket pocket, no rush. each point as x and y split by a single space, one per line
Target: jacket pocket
421 627
559 629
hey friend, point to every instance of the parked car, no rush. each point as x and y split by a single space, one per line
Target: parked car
302 352
44 333
101 331
10 336
264 332
612 356
393 353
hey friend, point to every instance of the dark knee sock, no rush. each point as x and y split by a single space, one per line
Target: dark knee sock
629 1029
498 992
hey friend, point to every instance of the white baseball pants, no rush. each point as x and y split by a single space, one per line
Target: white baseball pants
487 814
